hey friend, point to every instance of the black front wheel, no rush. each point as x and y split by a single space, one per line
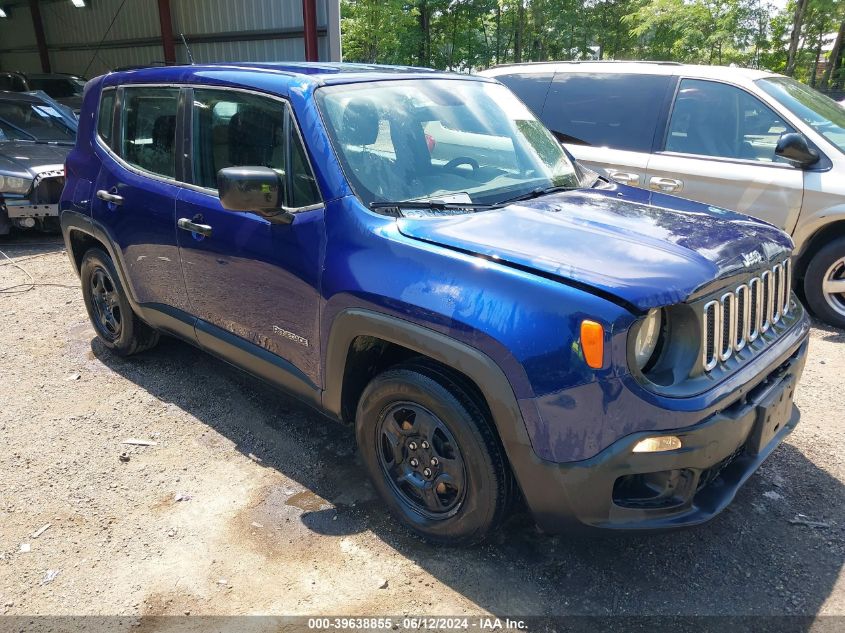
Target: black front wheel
433 454
116 324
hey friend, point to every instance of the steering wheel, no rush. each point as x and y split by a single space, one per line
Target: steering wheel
461 160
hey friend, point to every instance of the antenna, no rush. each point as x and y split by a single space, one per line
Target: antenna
187 49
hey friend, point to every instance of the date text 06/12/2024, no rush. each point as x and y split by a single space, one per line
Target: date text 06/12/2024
482 623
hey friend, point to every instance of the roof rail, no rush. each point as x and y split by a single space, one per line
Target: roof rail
142 66
591 61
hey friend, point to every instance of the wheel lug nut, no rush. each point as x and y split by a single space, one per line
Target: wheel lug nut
425 444
414 462
427 472
434 461
413 446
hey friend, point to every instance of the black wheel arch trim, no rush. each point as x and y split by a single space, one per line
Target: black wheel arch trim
528 469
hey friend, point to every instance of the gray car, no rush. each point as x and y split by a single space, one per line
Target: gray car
748 140
36 135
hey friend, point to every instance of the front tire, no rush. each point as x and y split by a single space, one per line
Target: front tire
117 326
433 454
824 283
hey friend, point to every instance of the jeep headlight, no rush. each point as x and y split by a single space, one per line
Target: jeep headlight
14 184
648 337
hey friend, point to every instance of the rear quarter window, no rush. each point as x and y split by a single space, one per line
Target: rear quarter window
105 116
613 110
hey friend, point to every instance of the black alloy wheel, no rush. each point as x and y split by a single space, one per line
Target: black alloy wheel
109 321
432 452
117 326
421 460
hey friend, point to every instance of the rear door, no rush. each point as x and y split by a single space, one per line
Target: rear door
253 284
136 190
719 148
608 121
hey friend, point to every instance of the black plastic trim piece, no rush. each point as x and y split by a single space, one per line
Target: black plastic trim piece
257 361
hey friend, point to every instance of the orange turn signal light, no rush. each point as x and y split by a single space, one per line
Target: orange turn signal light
592 343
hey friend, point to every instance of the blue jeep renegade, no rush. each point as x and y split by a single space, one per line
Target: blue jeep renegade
412 252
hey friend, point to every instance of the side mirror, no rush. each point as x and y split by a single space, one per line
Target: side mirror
794 147
254 190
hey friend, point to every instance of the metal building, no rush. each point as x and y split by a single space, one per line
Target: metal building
89 37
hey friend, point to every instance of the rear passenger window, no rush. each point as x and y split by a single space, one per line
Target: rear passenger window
106 116
619 111
148 129
233 129
532 88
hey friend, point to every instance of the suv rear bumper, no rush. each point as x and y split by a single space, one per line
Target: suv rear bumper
696 482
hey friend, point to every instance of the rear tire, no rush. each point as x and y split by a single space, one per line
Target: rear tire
824 283
117 326
433 454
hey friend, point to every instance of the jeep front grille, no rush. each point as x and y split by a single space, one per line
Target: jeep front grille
740 316
48 188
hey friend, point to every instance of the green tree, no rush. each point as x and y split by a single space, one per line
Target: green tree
466 35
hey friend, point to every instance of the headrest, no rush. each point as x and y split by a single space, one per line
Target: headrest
360 122
164 131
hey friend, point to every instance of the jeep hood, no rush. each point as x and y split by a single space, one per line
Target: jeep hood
19 157
643 254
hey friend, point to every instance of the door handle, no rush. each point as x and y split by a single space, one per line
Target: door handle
186 225
666 185
626 178
112 198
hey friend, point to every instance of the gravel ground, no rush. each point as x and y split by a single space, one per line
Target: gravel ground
249 503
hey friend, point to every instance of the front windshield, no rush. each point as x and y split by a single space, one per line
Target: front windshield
32 121
821 113
440 139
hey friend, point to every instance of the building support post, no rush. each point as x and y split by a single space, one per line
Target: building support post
165 19
333 18
38 26
309 24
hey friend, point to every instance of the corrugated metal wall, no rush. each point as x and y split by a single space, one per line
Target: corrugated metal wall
73 34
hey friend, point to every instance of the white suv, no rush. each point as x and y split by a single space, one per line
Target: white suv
748 140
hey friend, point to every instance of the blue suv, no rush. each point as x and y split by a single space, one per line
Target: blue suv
413 253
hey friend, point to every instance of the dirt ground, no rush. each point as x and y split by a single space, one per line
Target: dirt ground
249 503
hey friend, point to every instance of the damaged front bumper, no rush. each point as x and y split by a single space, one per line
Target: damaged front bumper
41 204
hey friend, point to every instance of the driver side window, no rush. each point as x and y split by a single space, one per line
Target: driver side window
715 119
234 129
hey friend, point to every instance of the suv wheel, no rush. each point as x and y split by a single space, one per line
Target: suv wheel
432 454
116 324
824 283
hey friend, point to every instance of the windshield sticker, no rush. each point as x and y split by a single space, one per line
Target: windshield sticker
460 198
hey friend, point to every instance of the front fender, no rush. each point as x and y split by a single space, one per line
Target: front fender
810 226
508 419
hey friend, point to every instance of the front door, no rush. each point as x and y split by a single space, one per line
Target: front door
720 149
254 284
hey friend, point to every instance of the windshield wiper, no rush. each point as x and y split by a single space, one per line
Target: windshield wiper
534 193
432 205
15 127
